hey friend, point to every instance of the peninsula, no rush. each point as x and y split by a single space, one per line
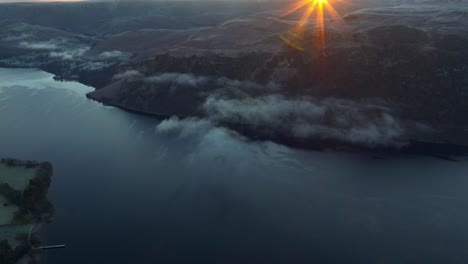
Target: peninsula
23 207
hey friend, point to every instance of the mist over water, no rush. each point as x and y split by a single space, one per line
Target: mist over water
134 189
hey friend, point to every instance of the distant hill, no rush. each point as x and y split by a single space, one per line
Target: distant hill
405 60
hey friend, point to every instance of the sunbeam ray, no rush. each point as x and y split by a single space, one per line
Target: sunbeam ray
294 37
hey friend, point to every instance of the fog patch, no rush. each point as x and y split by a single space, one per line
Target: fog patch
221 86
308 118
205 144
128 74
184 128
178 79
238 84
69 54
58 48
95 65
16 37
205 140
53 44
115 54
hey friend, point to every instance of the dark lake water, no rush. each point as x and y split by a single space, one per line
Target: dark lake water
130 189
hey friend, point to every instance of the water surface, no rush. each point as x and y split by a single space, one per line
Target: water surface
130 189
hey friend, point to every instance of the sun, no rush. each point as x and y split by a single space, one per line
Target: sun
295 36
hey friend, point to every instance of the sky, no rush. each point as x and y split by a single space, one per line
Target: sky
12 1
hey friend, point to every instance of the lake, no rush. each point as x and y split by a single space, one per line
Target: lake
134 189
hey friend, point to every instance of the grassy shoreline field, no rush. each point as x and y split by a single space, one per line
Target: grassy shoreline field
23 205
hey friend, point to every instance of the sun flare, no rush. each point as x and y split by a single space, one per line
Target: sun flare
294 37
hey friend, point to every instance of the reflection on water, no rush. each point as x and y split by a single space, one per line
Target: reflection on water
130 189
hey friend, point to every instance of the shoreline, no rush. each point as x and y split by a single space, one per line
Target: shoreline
446 151
27 207
410 146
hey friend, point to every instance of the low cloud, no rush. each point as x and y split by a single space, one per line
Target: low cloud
221 86
58 48
94 65
308 118
201 146
41 45
231 83
184 128
178 79
115 54
16 37
68 54
52 44
128 74
261 108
